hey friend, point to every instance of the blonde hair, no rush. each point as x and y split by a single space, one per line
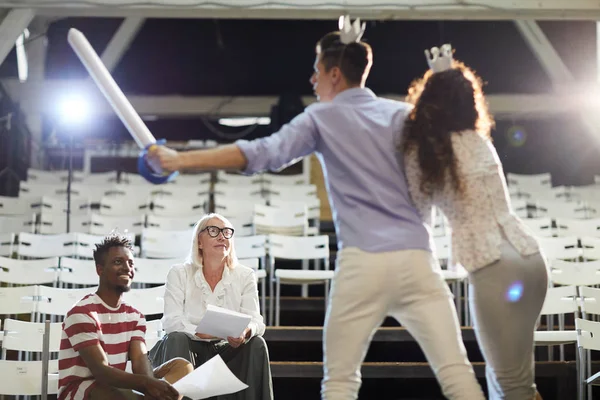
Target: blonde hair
195 256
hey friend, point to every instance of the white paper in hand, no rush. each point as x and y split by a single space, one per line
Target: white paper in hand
212 378
221 322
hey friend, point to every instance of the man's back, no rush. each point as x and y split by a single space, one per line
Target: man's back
367 188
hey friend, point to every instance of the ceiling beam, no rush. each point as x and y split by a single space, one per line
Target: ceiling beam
321 9
121 41
42 97
13 24
558 72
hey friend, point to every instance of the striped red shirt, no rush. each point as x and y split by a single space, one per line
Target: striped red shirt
90 322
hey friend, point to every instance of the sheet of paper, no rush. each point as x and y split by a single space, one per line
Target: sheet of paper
212 378
222 323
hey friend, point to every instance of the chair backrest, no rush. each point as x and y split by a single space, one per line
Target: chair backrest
237 179
81 272
299 247
166 206
250 246
192 179
560 300
139 192
590 248
560 248
291 193
560 209
29 272
29 336
57 301
284 221
443 247
578 227
540 227
100 178
23 378
7 241
17 205
17 300
520 207
147 301
44 246
241 192
588 334
104 224
55 223
575 273
528 180
157 243
58 205
198 191
235 207
312 204
589 299
153 271
172 223
284 180
116 206
17 223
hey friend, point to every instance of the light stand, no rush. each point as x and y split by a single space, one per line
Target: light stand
69 181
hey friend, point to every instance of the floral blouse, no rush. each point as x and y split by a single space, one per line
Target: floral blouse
481 215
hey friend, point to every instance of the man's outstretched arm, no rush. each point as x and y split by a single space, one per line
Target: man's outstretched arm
219 158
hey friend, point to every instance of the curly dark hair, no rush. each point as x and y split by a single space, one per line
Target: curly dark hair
444 102
112 240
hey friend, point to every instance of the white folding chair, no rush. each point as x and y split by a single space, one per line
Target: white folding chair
192 179
23 378
588 338
540 227
171 207
104 224
290 193
28 336
578 227
313 210
282 221
153 271
172 223
521 207
17 205
590 247
560 248
528 180
297 248
560 209
17 223
45 246
57 302
251 193
55 223
197 191
100 178
29 272
154 332
147 301
18 300
115 206
243 224
157 243
559 301
77 272
7 241
284 180
235 207
44 176
575 273
227 178
589 299
254 248
131 192
58 205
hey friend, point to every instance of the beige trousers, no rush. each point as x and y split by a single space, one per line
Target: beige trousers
407 285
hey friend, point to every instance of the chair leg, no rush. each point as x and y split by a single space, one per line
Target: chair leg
263 299
271 278
588 357
277 301
305 267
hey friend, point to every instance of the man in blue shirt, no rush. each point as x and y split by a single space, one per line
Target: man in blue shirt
385 265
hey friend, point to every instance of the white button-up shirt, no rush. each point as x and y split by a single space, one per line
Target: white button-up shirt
187 295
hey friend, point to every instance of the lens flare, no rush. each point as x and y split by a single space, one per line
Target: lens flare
514 292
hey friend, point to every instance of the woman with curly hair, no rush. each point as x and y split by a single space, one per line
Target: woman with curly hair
450 163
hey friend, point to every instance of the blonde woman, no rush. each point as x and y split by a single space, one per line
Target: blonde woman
212 275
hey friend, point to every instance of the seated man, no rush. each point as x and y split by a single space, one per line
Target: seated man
101 332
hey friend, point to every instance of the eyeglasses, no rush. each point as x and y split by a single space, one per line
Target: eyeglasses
213 231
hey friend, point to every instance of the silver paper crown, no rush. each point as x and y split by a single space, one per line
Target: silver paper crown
439 59
350 32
